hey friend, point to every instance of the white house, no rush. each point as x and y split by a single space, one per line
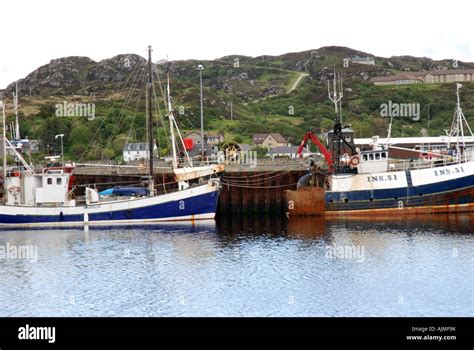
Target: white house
363 60
137 151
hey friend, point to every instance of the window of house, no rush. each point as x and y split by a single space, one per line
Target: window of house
49 181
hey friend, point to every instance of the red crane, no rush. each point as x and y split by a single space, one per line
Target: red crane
310 136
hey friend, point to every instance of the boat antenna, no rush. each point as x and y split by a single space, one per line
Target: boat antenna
457 126
336 96
151 141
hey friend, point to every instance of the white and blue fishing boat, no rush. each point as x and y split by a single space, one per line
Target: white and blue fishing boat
43 198
369 182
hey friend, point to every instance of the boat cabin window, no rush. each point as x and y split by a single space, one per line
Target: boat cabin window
377 156
50 181
371 156
384 154
364 157
58 181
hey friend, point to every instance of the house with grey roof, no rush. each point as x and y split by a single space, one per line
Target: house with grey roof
137 151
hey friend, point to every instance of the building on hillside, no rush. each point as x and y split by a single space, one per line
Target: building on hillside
363 60
269 141
213 138
210 138
427 77
211 142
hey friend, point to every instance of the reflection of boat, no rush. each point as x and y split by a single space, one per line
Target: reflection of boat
306 227
44 198
368 182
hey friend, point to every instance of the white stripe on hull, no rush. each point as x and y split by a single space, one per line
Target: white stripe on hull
189 218
394 180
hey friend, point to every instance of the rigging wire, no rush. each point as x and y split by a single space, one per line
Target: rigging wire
81 157
125 103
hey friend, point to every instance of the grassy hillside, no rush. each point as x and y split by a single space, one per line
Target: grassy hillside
260 90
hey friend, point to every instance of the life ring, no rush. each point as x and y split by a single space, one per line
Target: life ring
354 161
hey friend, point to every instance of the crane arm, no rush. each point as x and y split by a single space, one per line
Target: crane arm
310 136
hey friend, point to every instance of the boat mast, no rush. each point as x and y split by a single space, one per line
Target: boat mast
171 120
457 127
4 153
336 96
149 85
15 104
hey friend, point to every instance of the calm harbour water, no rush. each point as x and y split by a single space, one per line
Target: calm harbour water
422 266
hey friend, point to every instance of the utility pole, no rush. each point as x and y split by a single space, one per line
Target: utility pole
200 68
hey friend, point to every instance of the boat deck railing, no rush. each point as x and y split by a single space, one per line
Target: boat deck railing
403 165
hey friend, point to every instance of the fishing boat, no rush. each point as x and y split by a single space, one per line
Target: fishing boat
43 197
362 183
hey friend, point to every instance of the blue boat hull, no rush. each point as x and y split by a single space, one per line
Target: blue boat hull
202 206
445 196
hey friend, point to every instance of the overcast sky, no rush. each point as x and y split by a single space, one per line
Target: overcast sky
34 32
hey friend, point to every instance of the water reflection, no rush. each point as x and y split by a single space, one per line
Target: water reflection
246 266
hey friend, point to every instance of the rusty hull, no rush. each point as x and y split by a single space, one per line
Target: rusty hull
306 201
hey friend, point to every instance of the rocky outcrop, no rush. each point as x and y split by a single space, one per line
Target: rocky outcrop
248 78
68 75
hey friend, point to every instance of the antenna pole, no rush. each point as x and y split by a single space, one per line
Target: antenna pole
336 97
